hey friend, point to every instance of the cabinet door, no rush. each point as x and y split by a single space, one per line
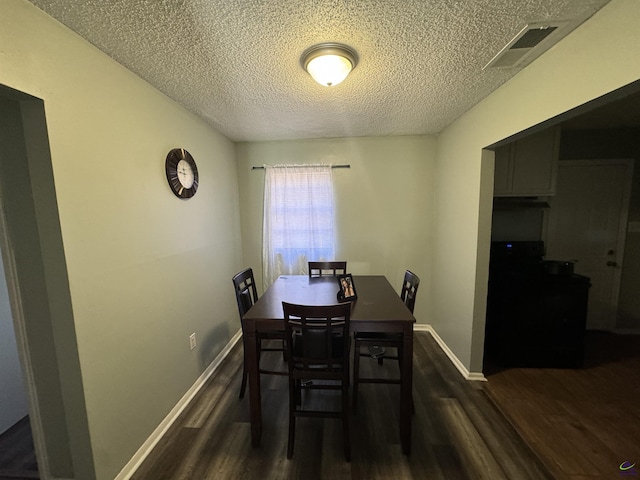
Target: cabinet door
502 177
535 163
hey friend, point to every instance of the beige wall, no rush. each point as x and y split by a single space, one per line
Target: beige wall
145 269
598 57
384 202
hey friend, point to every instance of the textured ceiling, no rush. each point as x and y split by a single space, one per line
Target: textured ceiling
236 63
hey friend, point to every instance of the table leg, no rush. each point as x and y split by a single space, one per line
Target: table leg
255 402
406 398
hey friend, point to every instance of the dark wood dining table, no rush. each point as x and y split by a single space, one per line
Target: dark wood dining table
378 308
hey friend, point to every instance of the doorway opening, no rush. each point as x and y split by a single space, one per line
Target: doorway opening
37 286
605 129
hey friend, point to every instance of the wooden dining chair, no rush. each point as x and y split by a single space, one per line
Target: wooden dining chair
378 342
319 269
317 342
246 295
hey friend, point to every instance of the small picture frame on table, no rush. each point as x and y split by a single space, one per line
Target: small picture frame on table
347 291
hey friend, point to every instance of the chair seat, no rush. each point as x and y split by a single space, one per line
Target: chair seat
378 336
375 341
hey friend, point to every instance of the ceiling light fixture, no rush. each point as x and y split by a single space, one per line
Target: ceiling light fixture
329 63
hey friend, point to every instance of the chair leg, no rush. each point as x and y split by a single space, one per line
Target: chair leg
345 422
298 390
243 386
292 418
356 373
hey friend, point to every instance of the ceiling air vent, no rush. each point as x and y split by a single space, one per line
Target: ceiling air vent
528 44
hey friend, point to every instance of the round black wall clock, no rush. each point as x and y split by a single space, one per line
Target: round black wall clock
182 173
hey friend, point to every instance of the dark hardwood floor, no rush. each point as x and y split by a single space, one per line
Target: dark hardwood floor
457 431
17 456
582 423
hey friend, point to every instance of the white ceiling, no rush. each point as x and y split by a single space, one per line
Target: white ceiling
236 63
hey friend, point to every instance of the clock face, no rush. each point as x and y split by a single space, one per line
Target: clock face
185 174
182 173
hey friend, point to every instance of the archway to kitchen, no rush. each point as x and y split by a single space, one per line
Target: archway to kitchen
606 129
573 404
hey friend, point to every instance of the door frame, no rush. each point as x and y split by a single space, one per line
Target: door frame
622 223
15 301
34 264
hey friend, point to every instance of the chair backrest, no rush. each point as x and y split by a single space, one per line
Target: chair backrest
246 292
318 269
409 289
317 337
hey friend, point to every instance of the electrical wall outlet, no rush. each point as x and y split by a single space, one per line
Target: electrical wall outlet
192 341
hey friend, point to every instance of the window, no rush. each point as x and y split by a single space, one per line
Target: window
298 219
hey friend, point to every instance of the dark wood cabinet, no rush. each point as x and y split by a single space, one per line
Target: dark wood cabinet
529 166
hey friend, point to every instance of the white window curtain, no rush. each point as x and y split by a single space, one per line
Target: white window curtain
298 219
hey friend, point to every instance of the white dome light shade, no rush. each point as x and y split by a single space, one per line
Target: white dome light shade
329 70
329 63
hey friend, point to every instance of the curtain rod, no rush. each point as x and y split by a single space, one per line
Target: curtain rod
332 166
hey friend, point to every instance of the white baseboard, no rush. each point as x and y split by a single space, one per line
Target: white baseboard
471 376
137 459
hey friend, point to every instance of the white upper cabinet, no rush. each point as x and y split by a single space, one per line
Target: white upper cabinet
529 166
